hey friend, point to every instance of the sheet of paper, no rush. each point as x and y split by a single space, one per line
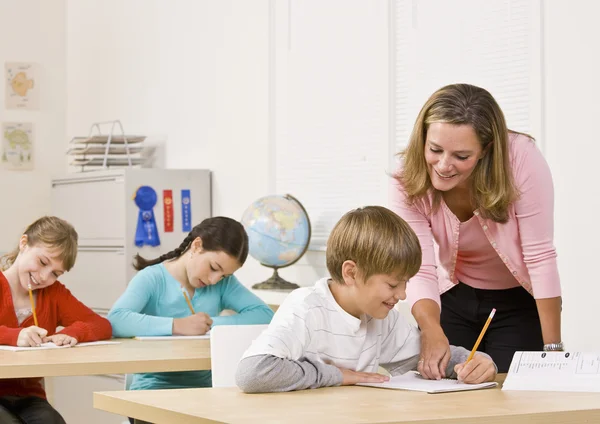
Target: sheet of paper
413 381
554 372
204 336
51 345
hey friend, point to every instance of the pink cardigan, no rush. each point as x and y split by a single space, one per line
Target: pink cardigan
524 243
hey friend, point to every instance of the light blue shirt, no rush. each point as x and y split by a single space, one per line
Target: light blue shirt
154 298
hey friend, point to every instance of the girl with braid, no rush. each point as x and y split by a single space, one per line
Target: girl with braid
203 265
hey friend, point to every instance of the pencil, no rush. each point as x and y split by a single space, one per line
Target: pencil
485 327
35 321
187 299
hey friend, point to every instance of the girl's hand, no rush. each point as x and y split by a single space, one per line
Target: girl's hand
350 377
31 336
61 340
194 325
478 370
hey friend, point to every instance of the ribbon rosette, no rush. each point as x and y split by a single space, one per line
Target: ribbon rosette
146 232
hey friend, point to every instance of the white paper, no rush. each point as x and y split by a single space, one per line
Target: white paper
51 345
204 336
413 381
554 372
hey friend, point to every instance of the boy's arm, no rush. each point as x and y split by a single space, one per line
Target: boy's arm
268 373
249 307
458 355
276 360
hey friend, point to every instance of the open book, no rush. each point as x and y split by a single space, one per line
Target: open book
413 381
554 372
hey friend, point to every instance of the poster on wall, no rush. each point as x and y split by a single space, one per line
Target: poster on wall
17 146
21 86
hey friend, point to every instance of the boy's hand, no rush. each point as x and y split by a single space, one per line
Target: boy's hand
350 377
478 370
194 325
31 336
61 340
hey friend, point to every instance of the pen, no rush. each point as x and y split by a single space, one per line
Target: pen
187 299
35 321
485 327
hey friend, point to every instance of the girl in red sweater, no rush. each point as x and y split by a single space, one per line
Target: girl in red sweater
46 250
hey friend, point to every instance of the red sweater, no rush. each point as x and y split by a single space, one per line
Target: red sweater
55 306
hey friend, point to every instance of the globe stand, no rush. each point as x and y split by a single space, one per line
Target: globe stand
275 283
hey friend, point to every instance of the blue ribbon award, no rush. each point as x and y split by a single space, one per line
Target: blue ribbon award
146 233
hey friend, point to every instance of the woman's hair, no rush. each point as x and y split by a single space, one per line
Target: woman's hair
218 234
377 240
493 188
54 233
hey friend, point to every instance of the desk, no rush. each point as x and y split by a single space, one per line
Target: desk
352 405
130 356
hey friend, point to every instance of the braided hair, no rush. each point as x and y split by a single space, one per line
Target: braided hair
218 234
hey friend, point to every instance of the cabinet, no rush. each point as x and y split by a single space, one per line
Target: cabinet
100 206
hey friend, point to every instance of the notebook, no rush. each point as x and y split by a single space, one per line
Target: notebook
554 372
413 381
51 345
204 336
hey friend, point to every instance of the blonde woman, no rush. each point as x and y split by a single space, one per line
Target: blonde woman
481 200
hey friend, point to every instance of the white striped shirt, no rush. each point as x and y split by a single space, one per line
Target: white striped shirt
310 324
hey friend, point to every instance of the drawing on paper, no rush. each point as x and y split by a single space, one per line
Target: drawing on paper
21 86
17 145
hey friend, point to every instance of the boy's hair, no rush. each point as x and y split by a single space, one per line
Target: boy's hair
54 233
377 240
218 234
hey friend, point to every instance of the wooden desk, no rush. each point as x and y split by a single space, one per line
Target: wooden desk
130 356
352 405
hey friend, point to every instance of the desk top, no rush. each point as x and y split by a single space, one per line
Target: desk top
351 405
130 356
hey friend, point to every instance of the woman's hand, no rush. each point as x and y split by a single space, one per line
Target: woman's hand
61 340
31 336
435 354
478 370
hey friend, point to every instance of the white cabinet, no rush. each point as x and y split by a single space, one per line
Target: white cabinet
100 206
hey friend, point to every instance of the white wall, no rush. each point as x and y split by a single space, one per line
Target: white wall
572 90
193 74
33 31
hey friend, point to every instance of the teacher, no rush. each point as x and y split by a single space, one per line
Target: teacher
481 200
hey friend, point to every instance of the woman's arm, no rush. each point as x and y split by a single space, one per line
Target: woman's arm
422 290
535 214
549 311
250 309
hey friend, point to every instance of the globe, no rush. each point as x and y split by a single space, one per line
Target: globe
279 231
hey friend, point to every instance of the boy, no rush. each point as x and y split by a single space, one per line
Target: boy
341 330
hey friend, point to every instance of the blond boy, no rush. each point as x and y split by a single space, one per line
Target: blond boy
341 330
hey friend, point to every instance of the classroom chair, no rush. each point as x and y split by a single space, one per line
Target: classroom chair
227 345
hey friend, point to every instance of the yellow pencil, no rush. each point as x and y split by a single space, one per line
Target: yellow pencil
485 327
187 299
35 321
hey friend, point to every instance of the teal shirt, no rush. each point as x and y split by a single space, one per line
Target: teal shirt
154 297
